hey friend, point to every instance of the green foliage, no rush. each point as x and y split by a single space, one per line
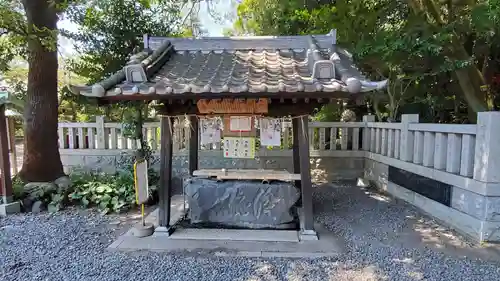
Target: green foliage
396 39
16 77
18 188
109 193
110 30
106 192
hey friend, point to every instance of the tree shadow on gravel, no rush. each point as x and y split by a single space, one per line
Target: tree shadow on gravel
365 216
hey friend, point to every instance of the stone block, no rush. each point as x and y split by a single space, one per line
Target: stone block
106 164
377 173
485 208
73 160
401 192
241 203
490 231
487 152
63 182
463 223
178 161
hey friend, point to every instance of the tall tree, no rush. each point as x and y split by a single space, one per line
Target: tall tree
30 28
42 161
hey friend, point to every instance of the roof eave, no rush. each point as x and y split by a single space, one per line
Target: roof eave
149 64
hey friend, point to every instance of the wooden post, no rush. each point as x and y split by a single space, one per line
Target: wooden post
165 191
11 127
5 175
193 144
307 220
295 149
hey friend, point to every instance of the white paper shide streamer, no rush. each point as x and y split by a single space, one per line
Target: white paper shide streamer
210 130
270 132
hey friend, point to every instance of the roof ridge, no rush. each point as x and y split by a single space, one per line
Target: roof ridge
248 42
159 57
151 61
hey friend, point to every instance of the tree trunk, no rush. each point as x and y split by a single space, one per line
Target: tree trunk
42 161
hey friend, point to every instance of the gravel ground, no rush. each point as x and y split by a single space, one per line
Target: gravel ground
385 240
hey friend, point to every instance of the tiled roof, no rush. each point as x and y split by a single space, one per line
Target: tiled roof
204 66
240 71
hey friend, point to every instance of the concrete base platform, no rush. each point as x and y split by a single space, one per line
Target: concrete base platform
229 242
236 235
326 246
10 208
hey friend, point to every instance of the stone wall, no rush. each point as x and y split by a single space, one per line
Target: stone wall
323 168
472 214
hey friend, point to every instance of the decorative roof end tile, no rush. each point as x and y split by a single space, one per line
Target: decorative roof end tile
323 69
135 73
98 91
353 85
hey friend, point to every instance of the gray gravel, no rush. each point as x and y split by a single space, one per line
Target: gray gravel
380 236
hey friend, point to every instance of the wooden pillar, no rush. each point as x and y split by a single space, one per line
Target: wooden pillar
11 127
307 219
165 191
5 175
193 144
295 149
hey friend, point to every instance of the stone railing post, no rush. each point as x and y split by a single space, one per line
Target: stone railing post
406 143
101 138
487 152
366 131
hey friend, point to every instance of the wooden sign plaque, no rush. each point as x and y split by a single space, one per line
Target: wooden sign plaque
238 133
233 106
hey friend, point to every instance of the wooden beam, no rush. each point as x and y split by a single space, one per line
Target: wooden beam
247 174
5 175
193 144
165 191
276 109
305 175
295 149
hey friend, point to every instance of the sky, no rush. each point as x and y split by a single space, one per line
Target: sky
212 26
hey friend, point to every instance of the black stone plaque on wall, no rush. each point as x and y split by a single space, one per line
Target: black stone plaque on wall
432 189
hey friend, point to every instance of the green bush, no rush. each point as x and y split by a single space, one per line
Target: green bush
18 188
109 193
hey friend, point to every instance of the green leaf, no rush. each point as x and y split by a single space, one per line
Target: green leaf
104 211
52 208
103 205
85 202
75 196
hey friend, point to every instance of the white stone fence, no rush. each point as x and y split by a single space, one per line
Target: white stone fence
446 149
327 136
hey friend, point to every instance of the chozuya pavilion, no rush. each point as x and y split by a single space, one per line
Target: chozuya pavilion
240 80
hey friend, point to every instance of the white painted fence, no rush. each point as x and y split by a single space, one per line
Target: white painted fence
448 148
